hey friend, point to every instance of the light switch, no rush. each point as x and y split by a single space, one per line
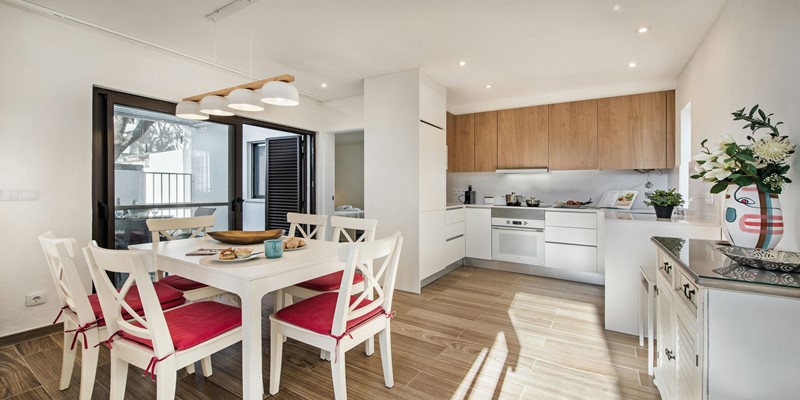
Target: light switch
29 194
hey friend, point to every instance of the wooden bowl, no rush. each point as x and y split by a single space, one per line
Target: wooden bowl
246 237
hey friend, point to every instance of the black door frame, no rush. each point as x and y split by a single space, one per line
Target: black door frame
103 101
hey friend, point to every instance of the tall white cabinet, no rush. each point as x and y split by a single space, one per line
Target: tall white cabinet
405 163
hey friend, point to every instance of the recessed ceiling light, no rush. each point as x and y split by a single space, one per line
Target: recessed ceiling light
643 29
617 8
462 63
488 86
324 85
633 64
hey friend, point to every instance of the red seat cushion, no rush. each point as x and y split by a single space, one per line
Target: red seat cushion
316 313
181 283
167 296
196 323
327 283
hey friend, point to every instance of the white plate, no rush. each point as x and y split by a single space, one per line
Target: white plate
297 248
215 257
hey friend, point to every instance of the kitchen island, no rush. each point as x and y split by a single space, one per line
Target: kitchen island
725 331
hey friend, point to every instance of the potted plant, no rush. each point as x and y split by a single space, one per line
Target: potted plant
754 175
664 201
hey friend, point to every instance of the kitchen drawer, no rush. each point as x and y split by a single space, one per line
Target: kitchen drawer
455 229
688 291
571 235
571 219
455 215
570 257
455 249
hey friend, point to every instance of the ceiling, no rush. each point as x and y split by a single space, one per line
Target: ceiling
526 49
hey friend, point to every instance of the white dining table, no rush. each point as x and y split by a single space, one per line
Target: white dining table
250 280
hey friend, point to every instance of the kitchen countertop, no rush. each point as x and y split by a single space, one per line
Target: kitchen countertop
700 261
637 217
453 206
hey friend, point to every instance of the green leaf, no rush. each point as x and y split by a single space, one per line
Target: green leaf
733 177
696 176
745 156
762 114
719 187
743 181
753 110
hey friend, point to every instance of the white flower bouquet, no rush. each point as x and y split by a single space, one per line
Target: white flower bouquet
762 162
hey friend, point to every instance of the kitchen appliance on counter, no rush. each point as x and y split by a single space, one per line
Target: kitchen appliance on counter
469 196
488 200
514 199
518 236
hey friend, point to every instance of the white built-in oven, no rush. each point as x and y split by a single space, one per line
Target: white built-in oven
518 235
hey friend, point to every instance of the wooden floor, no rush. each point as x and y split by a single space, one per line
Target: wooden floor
475 333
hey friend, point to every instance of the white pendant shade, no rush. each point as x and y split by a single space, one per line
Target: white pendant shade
280 93
190 110
215 105
245 100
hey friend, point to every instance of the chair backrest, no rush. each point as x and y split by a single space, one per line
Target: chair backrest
317 225
169 227
60 254
341 225
134 263
386 252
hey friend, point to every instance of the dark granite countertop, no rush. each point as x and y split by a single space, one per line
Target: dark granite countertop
700 261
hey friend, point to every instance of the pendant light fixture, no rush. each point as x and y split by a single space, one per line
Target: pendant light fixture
280 93
215 105
246 99
190 110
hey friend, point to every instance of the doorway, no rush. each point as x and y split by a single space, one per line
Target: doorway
349 174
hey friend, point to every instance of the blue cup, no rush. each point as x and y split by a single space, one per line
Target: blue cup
273 248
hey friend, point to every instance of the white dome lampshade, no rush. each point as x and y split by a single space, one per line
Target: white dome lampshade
190 110
215 105
280 93
245 100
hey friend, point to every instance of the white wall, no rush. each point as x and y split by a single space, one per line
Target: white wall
554 185
47 72
751 56
349 185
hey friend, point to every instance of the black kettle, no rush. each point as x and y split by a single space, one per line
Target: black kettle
468 197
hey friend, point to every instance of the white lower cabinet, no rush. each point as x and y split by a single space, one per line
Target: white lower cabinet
571 257
431 243
479 233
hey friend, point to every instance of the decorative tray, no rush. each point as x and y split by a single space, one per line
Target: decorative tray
246 237
771 260
572 204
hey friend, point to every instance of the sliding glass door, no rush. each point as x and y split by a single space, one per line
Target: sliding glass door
158 166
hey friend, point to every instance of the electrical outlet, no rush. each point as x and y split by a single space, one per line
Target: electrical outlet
35 299
456 191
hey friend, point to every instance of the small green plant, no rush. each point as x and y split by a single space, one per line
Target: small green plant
664 198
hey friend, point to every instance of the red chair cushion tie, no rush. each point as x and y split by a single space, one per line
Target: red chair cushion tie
330 282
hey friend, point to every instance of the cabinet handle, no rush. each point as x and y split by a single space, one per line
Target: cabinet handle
655 288
670 355
686 292
667 267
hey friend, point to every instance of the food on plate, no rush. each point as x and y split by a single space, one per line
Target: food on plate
243 252
293 243
572 203
227 254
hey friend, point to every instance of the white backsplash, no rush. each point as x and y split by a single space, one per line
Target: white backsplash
555 185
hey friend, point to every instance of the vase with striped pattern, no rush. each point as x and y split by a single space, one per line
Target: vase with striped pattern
752 218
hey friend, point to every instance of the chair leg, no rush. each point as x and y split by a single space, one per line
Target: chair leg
205 364
370 346
325 355
275 358
119 377
167 380
337 370
279 297
68 358
190 369
385 339
89 357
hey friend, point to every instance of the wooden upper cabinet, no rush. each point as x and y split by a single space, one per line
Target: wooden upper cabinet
573 135
485 141
631 131
461 143
672 160
522 137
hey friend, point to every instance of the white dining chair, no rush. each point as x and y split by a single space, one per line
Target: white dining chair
160 342
171 229
338 321
315 229
84 324
331 282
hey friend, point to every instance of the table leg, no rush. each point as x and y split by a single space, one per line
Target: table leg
253 385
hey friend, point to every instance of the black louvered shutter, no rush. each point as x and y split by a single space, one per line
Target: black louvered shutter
284 180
